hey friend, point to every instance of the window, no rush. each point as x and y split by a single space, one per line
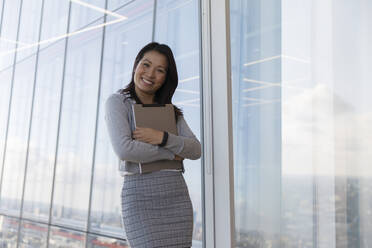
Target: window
301 117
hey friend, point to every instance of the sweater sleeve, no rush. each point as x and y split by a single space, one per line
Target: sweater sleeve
119 129
185 144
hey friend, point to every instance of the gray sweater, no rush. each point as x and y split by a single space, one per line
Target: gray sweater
120 124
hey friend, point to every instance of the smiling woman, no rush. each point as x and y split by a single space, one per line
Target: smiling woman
150 75
156 207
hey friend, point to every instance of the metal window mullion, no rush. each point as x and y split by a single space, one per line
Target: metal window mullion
30 125
206 69
2 16
202 171
96 125
59 127
154 21
218 143
10 99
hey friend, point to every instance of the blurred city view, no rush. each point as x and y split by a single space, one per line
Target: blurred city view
302 217
34 233
302 122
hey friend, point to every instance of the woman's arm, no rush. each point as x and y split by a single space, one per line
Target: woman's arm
121 135
185 144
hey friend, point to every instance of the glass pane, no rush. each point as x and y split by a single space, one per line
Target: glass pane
16 147
177 25
298 184
8 33
77 129
60 237
5 85
302 116
1 8
21 102
122 42
115 4
256 76
29 28
326 120
8 231
55 19
83 13
44 126
95 241
33 235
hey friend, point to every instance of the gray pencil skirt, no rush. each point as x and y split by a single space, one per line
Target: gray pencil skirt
157 210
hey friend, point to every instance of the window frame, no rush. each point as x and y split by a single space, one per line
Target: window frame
217 115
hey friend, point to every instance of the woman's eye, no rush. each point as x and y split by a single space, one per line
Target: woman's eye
161 71
146 65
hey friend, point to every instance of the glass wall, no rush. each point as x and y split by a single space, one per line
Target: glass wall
45 113
60 60
20 109
256 75
9 33
121 44
301 117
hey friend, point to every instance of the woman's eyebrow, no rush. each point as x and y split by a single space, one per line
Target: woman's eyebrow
147 60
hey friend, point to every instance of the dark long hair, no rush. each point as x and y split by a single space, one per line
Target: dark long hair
165 93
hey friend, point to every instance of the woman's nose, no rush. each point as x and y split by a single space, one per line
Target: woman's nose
151 73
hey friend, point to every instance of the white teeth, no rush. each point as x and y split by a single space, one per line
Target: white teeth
146 81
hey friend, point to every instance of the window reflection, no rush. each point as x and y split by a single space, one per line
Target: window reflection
55 18
77 129
43 133
8 31
83 13
256 77
122 42
16 146
301 123
9 27
20 113
29 28
103 242
1 8
5 85
33 235
8 231
114 4
60 237
331 135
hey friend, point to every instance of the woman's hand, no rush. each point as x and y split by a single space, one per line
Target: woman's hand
148 135
178 158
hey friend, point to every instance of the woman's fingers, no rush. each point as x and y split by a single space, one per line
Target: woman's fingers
147 135
176 157
137 135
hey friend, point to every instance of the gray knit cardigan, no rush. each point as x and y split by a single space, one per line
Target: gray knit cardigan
120 125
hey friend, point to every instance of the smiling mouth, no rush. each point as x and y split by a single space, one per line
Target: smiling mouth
147 82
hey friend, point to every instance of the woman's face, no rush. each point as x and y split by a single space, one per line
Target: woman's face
150 72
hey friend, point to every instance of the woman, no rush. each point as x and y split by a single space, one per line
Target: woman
156 207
